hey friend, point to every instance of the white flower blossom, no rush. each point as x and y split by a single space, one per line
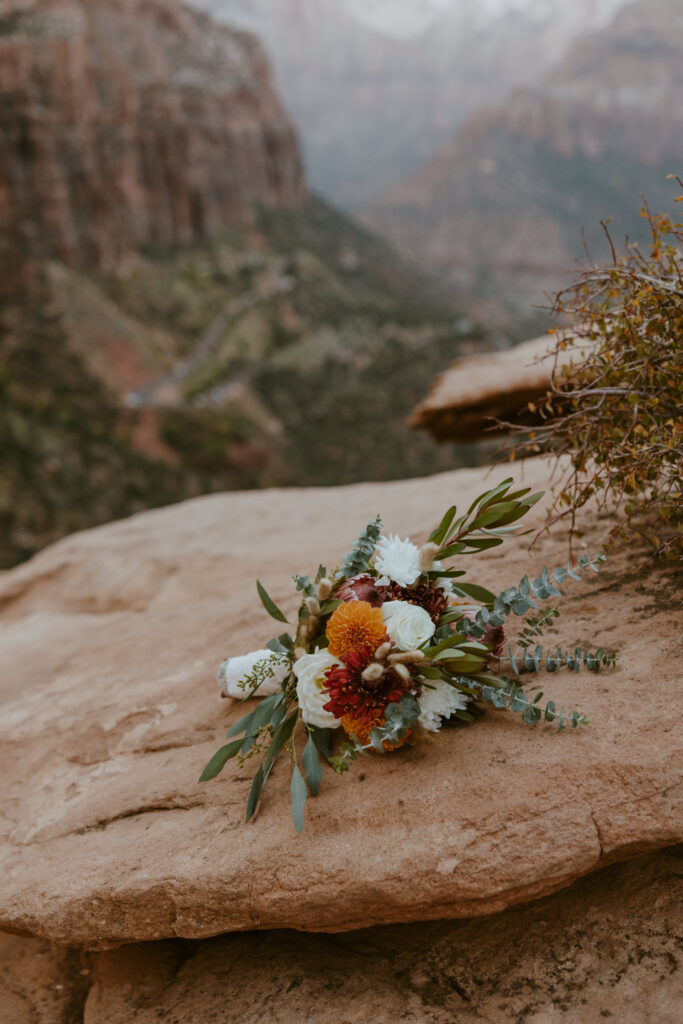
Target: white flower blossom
437 701
310 674
444 583
398 560
233 671
408 625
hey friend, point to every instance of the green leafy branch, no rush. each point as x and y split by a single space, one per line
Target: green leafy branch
305 584
269 604
488 520
401 716
536 625
268 729
317 747
512 697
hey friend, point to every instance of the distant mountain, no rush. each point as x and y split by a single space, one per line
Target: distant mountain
375 88
501 208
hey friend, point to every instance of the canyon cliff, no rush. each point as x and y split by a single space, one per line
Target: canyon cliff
177 314
129 123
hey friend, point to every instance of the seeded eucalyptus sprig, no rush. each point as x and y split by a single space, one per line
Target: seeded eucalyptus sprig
358 558
512 697
520 600
552 661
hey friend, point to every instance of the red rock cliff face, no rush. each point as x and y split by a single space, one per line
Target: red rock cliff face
131 122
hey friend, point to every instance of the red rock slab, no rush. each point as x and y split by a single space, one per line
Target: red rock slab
110 641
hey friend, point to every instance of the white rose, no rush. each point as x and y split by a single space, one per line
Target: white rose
408 625
232 673
310 672
398 560
439 700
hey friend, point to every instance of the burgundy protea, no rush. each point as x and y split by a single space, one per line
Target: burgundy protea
426 595
362 588
364 700
494 636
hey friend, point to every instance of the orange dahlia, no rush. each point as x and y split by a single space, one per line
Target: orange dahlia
353 626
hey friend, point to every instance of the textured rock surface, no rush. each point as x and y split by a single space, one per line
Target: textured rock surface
109 647
41 983
131 122
606 949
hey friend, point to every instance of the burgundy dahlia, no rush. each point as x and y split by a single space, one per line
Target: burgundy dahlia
362 699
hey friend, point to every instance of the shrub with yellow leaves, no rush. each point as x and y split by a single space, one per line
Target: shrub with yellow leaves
615 402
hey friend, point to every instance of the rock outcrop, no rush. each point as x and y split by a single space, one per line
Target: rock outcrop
475 390
109 647
604 949
132 122
466 400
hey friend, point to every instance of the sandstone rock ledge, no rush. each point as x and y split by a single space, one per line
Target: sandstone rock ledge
109 646
603 950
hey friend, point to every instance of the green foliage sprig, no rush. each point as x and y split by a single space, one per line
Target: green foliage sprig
552 661
358 558
485 524
512 697
536 626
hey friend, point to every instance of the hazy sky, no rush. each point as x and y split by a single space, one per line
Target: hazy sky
404 18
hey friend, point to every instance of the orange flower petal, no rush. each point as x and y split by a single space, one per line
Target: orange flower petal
353 626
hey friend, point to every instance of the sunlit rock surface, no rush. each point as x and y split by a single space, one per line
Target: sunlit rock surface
110 642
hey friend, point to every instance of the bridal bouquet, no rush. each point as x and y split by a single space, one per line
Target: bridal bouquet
392 643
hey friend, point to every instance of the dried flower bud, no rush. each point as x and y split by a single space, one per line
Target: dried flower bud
313 605
305 631
313 625
406 657
373 672
382 651
324 588
403 672
427 555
